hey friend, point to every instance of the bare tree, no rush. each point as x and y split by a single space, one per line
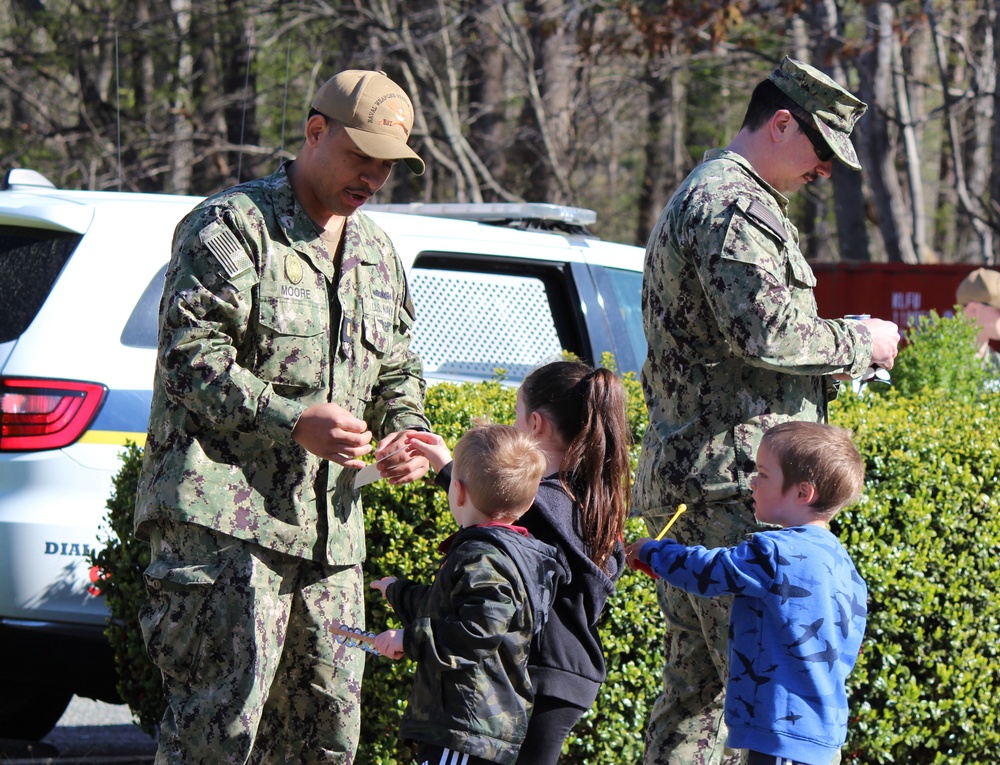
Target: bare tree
880 133
968 205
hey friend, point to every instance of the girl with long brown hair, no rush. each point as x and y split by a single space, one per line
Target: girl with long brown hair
577 415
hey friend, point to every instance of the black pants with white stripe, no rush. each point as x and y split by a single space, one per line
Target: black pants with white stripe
756 758
429 754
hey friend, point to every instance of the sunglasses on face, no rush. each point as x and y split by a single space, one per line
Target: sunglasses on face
823 151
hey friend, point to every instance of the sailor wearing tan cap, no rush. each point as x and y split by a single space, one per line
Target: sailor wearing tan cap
979 296
736 347
284 334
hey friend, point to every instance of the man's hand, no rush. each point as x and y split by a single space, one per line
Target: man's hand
885 341
331 432
398 461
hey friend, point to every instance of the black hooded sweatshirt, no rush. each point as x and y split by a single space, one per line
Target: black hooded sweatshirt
567 657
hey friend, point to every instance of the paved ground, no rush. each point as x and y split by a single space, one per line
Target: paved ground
89 733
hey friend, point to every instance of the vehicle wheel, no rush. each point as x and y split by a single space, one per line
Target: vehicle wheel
29 714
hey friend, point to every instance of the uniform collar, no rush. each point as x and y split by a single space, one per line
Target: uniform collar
302 233
743 162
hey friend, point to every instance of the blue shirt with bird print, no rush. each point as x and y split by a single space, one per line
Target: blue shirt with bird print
795 631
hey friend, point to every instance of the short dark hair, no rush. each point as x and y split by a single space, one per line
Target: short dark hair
500 468
822 455
766 99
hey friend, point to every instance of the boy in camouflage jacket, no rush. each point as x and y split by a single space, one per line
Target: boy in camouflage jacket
470 631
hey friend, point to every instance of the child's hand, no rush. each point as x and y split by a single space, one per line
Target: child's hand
632 557
390 643
383 584
431 445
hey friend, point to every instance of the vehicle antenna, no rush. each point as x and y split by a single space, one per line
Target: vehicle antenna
118 112
284 98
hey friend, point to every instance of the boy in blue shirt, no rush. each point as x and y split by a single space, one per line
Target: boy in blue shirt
799 604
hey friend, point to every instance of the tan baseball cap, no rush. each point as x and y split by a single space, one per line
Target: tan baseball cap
980 286
833 110
375 111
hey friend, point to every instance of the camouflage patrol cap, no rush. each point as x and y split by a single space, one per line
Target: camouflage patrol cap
833 110
980 286
376 113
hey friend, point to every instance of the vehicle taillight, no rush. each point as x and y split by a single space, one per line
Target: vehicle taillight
46 414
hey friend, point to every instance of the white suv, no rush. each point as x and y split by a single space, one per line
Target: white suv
507 287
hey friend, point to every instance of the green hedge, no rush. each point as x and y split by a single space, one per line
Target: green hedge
925 536
405 524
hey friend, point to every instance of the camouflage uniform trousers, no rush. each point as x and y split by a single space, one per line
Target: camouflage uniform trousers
686 725
251 672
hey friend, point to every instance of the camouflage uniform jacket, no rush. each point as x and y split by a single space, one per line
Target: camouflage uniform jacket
470 633
735 343
257 323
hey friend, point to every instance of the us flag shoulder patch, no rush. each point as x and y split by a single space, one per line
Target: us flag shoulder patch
226 248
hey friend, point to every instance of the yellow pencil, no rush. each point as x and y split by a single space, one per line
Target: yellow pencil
680 509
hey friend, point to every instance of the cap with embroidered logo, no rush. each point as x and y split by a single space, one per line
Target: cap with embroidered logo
980 286
376 113
833 109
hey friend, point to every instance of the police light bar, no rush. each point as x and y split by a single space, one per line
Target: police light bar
494 211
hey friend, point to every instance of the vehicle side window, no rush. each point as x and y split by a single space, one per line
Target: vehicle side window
30 261
627 289
140 329
470 324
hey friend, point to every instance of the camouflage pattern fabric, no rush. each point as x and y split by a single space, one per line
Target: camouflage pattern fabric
686 724
251 672
735 347
249 338
257 323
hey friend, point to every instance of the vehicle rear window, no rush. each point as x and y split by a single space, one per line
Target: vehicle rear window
30 261
470 325
140 329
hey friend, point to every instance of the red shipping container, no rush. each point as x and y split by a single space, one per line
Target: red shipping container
897 292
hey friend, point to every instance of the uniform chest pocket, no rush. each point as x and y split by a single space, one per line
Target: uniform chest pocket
377 324
293 346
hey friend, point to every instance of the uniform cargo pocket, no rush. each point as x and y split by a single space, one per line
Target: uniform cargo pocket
177 610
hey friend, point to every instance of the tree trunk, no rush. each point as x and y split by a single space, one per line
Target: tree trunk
848 196
967 204
911 153
240 81
181 149
486 65
546 128
876 89
664 82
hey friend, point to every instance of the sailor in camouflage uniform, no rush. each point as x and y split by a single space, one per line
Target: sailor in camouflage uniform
283 346
735 346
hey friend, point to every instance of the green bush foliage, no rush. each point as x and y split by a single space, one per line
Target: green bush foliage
122 561
939 357
405 525
925 536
